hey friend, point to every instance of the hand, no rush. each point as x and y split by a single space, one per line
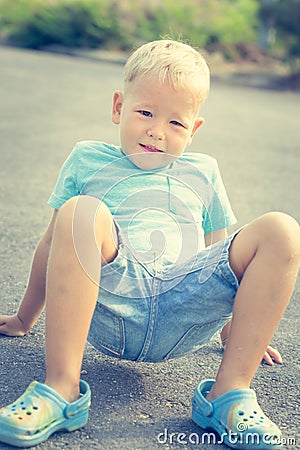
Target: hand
272 356
11 326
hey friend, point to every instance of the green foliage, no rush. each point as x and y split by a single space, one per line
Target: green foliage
228 26
170 19
282 18
205 23
287 22
94 23
83 23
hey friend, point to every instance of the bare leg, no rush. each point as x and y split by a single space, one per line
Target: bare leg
84 235
265 257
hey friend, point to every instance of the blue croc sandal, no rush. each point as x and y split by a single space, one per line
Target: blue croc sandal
41 411
236 417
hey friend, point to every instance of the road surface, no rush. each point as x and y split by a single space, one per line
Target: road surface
47 103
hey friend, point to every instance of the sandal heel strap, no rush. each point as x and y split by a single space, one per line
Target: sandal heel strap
83 402
77 422
198 418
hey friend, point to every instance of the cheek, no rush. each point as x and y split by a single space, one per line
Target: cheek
128 133
131 126
183 138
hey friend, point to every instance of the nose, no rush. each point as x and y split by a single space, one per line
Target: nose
156 133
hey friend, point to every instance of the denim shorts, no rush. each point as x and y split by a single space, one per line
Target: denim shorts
144 313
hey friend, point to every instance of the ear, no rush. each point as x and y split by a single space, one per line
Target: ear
197 124
117 106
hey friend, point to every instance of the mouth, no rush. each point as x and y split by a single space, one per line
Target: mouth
150 148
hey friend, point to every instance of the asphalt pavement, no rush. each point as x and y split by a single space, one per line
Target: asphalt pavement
47 103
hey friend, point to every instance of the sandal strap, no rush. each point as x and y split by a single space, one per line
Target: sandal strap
81 403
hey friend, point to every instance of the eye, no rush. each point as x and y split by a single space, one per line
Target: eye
177 124
145 113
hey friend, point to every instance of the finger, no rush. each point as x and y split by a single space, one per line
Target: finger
267 359
274 354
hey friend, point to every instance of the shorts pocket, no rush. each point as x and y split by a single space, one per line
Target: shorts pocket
107 332
196 337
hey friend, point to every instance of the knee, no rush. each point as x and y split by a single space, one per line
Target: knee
67 209
82 213
283 233
65 216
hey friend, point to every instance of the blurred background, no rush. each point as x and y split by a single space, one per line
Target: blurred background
262 33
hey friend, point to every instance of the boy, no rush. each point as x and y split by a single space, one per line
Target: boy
136 258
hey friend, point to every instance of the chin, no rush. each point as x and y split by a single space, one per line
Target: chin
151 161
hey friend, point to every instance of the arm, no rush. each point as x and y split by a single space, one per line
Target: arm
215 236
33 301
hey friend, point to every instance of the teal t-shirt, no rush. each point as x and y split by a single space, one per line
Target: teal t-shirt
163 213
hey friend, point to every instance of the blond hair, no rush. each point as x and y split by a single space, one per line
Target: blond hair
171 61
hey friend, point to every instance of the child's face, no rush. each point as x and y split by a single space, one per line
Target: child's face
156 121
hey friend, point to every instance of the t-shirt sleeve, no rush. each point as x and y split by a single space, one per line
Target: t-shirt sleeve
66 185
217 213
